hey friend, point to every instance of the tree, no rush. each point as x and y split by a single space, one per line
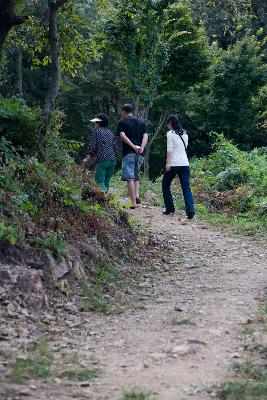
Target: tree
224 103
53 88
132 31
8 19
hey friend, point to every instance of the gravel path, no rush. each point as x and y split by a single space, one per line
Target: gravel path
189 331
184 328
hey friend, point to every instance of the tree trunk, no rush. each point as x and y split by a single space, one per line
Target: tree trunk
19 70
149 144
136 105
8 19
55 77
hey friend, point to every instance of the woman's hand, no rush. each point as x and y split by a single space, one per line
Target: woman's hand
168 167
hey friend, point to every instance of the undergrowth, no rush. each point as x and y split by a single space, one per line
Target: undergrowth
251 376
229 188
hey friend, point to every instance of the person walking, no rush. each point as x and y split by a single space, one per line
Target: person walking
177 164
103 146
133 133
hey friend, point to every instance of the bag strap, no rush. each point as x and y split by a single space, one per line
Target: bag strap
180 134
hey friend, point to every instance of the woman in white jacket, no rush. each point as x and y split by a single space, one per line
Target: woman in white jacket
177 164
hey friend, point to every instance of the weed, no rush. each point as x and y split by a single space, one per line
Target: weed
52 243
243 390
184 321
24 369
95 303
252 375
81 375
62 286
8 233
136 394
138 306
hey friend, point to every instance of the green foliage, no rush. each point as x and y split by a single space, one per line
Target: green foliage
18 123
80 375
176 322
102 276
229 99
132 31
136 394
243 390
26 368
51 243
7 232
7 151
76 38
186 49
232 181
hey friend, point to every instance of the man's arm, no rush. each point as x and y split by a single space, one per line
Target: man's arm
126 140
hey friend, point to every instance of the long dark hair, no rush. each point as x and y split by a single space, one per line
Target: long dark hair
176 125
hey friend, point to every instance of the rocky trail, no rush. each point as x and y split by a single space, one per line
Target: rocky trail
179 337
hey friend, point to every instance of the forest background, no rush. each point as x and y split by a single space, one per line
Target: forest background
63 61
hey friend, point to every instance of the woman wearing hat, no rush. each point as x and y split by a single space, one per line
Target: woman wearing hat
103 147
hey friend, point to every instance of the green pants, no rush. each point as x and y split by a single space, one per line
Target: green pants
103 173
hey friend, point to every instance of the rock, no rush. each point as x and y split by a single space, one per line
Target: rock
246 321
215 332
30 285
177 308
181 350
261 340
119 343
25 392
196 341
158 356
5 276
58 269
235 355
85 384
77 269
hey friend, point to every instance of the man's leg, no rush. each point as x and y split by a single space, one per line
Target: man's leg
100 175
128 166
131 191
138 163
136 184
184 177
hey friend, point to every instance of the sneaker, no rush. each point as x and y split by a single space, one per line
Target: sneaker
190 215
167 212
138 201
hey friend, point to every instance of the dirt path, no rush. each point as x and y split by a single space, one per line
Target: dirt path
184 330
214 282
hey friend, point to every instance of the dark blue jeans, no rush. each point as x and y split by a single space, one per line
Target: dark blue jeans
184 177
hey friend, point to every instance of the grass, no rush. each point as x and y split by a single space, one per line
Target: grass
251 376
136 394
24 369
37 363
103 276
81 375
185 321
95 303
243 390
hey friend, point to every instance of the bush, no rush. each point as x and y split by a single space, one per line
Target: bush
232 181
19 123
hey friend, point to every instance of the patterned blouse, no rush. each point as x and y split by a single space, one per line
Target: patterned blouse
102 145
